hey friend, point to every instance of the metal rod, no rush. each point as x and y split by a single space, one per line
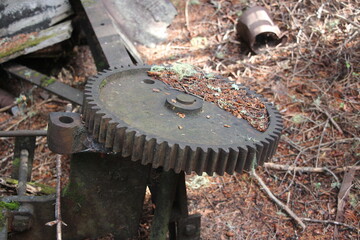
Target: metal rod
23 133
23 172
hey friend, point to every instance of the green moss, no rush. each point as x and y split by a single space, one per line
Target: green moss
6 206
12 181
30 43
44 189
180 69
46 81
103 83
16 162
9 205
87 3
71 191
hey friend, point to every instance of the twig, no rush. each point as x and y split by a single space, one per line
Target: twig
331 222
343 18
308 169
330 118
277 201
187 23
207 199
343 194
321 139
7 107
58 196
344 140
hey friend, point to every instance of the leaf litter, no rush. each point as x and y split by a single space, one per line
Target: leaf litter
211 88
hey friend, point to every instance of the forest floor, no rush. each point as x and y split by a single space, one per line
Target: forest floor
314 81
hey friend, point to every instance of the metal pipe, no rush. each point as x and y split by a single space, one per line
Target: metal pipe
23 172
23 133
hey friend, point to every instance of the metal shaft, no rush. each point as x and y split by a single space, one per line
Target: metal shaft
23 133
23 172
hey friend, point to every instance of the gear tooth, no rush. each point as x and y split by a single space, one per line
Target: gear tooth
160 153
232 160
85 107
277 131
92 113
119 138
259 152
149 151
271 142
89 85
128 143
199 160
138 148
222 161
110 133
89 115
96 128
104 123
186 159
275 144
264 153
190 160
242 156
211 161
178 166
250 158
90 81
182 157
171 157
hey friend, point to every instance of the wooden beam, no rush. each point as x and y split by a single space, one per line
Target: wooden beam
19 17
109 46
23 44
48 83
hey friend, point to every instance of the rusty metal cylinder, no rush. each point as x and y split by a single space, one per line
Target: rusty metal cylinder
63 126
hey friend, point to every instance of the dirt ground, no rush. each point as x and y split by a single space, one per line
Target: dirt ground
313 79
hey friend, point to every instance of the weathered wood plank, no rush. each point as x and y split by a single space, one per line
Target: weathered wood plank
108 44
48 83
25 16
22 44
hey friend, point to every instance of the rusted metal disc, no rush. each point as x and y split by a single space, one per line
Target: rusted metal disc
138 116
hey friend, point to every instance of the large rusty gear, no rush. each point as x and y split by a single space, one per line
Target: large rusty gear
135 115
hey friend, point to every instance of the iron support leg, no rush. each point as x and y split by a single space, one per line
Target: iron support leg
165 195
171 212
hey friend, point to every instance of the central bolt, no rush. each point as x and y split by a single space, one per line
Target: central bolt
185 99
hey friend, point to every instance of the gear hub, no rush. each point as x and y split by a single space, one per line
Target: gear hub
140 117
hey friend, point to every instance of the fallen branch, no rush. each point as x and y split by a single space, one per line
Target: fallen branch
331 222
342 198
277 201
308 169
330 118
187 22
7 107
